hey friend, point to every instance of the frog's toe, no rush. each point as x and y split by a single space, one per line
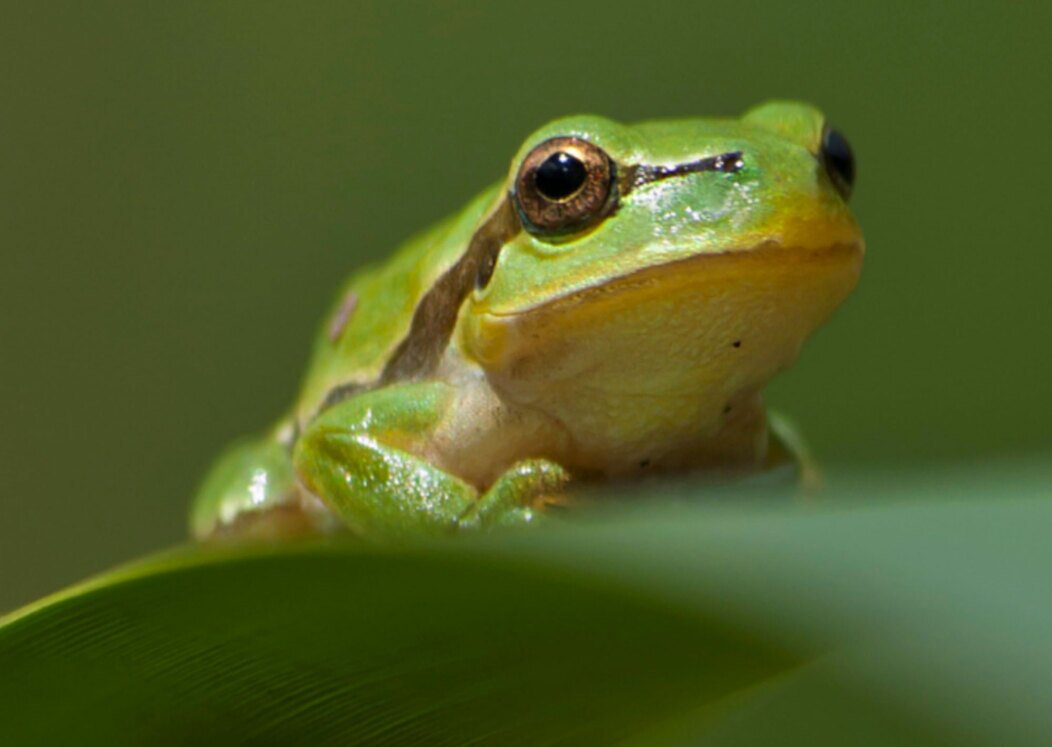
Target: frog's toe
519 496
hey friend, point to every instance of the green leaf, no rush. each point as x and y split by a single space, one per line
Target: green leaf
903 620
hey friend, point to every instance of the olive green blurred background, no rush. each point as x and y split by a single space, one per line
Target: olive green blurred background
185 184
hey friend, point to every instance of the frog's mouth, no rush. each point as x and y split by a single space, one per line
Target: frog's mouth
732 271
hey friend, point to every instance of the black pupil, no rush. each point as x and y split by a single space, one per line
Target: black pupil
560 176
838 157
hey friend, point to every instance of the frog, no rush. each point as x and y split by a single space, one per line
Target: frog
608 311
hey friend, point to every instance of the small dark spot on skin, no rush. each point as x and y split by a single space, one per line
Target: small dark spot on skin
737 343
644 464
726 409
343 315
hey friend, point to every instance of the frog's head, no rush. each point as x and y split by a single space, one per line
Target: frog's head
669 256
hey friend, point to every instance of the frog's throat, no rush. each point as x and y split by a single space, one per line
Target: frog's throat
689 309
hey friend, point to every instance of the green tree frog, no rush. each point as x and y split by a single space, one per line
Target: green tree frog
611 309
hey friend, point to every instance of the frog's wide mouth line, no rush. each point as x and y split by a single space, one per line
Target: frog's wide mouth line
687 269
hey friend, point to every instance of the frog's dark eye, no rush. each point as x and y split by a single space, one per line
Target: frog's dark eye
839 161
564 184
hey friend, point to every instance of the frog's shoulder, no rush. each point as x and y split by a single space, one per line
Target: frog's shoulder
373 311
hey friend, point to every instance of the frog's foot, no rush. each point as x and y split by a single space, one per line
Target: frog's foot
251 478
789 455
286 521
518 497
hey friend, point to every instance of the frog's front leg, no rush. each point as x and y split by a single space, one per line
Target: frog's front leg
372 458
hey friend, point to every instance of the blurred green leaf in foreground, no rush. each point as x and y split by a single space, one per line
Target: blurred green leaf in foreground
919 615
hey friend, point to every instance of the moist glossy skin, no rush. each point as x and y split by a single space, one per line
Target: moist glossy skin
490 365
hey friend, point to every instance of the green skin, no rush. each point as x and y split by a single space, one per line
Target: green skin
602 353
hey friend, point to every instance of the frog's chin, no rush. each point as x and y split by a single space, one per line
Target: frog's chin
699 331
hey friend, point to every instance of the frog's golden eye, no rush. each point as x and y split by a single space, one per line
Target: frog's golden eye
838 160
564 184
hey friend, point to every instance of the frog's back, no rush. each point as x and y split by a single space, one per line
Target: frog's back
374 309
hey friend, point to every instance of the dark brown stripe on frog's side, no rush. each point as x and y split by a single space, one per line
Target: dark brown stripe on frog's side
436 314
